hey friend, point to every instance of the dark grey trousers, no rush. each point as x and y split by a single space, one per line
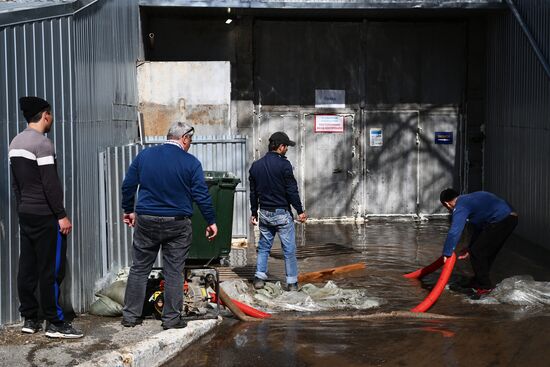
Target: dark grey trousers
151 234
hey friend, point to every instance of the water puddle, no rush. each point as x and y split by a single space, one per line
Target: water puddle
511 327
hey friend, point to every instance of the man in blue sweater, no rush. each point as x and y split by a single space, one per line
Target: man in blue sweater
493 220
274 188
169 180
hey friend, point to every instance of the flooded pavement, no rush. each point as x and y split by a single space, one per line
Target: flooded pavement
510 329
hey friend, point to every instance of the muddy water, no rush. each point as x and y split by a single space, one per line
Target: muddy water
482 334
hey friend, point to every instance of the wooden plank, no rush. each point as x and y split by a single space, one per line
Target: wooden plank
233 307
318 275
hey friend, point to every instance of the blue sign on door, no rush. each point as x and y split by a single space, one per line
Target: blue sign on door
443 137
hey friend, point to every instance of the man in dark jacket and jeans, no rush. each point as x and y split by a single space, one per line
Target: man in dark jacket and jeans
274 188
493 221
169 180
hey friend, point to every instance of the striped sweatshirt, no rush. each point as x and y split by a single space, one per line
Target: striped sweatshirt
35 181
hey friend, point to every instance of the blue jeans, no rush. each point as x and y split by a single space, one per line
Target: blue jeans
279 221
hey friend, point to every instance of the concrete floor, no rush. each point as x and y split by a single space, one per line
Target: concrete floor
106 343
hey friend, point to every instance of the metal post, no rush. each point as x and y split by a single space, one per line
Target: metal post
102 216
532 41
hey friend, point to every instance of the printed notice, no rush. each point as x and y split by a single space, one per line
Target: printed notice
329 124
443 137
376 137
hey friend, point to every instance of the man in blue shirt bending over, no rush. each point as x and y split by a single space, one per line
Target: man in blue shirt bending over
169 180
493 221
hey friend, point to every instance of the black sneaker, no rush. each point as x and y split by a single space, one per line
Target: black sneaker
179 325
128 323
31 326
292 287
63 331
258 283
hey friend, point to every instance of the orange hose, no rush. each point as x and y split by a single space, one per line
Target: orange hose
246 309
439 286
251 311
425 270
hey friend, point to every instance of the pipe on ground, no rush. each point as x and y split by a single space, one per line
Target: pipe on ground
234 308
425 270
441 282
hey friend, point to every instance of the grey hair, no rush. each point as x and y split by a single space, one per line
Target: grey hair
179 129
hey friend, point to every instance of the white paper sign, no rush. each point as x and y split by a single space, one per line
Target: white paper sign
376 137
329 124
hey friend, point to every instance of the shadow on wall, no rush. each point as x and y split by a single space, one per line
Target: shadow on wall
408 168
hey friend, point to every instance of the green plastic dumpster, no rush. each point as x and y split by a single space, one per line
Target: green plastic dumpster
221 186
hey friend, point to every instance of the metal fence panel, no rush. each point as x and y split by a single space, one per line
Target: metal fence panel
517 153
216 153
330 169
84 65
34 59
391 176
439 165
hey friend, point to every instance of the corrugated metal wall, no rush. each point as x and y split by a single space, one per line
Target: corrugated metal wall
517 148
84 65
106 49
35 60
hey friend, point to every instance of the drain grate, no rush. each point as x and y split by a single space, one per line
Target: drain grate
246 272
327 249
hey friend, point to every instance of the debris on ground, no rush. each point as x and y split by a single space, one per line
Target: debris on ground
273 298
519 290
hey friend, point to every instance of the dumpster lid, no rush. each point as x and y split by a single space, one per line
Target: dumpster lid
218 174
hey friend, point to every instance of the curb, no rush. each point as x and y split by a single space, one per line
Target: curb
157 349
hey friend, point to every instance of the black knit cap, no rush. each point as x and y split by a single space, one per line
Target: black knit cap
32 105
281 138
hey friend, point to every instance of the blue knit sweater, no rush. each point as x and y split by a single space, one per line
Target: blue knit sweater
169 180
478 208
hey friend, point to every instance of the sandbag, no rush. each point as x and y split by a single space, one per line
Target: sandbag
115 291
104 306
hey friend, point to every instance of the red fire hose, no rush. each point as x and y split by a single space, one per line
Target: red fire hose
441 282
251 311
426 270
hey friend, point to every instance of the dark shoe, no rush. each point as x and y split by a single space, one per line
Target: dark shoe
258 283
293 287
179 325
31 326
127 323
63 331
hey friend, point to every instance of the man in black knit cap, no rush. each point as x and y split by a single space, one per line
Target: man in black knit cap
43 222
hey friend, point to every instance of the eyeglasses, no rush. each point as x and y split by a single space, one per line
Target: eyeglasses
189 133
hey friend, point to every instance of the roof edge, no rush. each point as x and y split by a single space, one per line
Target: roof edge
38 12
324 4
